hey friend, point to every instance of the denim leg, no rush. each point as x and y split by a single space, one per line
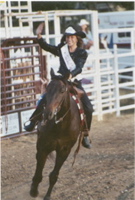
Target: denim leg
39 108
42 100
88 107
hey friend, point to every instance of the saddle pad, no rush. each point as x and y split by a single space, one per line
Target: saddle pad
81 111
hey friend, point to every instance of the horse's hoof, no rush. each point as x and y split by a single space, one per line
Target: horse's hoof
33 192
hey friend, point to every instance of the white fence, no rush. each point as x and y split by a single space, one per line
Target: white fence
105 69
106 88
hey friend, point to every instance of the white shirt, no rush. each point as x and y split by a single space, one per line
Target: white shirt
88 37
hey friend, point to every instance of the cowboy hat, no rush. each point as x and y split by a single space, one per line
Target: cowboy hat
83 22
71 31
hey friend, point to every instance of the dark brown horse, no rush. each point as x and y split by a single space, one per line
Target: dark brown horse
58 131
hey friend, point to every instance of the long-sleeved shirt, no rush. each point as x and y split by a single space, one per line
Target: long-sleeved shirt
79 57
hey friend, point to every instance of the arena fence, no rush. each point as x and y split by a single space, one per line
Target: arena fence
21 69
112 85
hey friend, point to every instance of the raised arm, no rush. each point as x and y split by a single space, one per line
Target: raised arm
43 44
47 47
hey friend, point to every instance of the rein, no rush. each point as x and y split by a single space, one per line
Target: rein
58 109
61 118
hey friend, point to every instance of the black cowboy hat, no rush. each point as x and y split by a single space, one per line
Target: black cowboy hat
71 31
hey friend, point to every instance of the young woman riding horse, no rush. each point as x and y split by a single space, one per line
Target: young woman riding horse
72 59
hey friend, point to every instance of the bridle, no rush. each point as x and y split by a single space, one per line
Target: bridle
61 118
57 120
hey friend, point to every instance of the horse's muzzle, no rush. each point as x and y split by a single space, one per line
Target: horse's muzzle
50 114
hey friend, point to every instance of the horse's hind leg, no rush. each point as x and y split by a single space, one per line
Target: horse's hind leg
37 178
60 158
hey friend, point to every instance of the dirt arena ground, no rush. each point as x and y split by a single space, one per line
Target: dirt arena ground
106 172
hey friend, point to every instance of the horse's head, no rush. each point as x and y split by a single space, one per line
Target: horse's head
56 95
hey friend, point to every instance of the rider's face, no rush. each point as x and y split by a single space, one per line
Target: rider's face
71 40
84 27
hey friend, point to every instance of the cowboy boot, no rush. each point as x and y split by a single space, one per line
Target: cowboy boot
35 117
31 126
86 141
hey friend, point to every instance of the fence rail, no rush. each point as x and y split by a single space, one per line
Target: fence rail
109 84
21 69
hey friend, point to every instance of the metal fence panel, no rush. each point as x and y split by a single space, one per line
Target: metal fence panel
21 69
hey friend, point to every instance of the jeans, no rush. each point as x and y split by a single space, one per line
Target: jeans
88 107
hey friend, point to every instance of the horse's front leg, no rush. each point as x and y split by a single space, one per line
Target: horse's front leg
41 157
60 158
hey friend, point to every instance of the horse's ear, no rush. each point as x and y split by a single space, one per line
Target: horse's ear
52 73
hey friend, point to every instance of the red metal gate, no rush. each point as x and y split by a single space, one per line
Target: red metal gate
21 69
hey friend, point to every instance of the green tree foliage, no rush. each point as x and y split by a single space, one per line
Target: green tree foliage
64 5
45 6
129 5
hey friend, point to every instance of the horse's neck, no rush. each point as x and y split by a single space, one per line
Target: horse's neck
66 103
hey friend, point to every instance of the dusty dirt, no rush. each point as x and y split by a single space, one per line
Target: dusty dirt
106 172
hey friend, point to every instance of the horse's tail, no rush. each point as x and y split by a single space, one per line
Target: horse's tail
78 146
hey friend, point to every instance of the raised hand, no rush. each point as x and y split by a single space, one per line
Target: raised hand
39 29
